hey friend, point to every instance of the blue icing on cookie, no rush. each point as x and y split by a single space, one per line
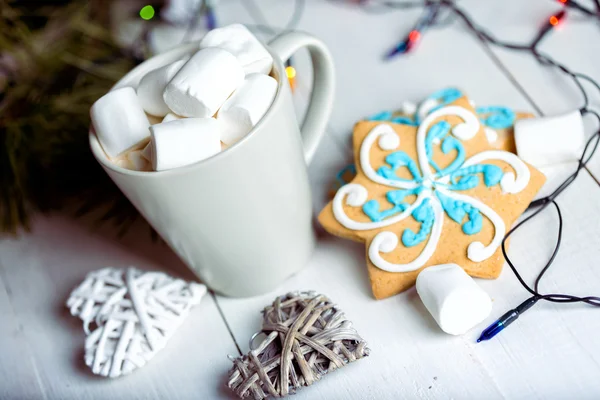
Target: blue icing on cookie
371 209
443 96
389 116
449 144
457 210
492 175
425 215
496 117
397 160
382 116
404 120
457 214
350 168
465 183
438 131
396 198
475 222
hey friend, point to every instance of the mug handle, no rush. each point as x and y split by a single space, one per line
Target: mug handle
321 99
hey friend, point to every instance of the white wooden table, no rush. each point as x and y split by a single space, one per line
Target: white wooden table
552 352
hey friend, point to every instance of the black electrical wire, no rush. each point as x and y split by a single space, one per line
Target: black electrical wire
548 200
578 6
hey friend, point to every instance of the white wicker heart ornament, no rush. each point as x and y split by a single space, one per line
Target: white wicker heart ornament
129 315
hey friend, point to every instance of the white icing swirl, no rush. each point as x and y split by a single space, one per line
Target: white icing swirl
426 106
386 242
388 140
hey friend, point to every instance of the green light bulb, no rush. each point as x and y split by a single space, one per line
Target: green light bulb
147 12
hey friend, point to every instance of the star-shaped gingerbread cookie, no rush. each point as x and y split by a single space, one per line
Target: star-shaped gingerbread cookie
430 194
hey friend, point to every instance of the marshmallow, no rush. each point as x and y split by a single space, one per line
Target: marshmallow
154 120
246 107
203 84
184 142
453 298
137 161
119 121
550 140
240 42
147 152
123 163
153 84
171 117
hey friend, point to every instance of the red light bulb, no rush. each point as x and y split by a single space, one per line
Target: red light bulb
413 36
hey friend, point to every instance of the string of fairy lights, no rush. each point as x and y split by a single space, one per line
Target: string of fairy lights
438 14
541 204
429 18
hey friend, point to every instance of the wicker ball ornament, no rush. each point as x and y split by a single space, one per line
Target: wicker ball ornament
307 337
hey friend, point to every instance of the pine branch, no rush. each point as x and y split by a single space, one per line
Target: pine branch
54 63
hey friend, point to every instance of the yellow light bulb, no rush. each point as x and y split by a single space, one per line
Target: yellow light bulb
290 72
291 75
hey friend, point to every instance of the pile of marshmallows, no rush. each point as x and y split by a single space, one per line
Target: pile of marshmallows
208 101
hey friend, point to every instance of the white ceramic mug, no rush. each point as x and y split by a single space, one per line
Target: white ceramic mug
240 220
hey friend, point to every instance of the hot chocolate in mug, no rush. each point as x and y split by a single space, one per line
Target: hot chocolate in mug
242 219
